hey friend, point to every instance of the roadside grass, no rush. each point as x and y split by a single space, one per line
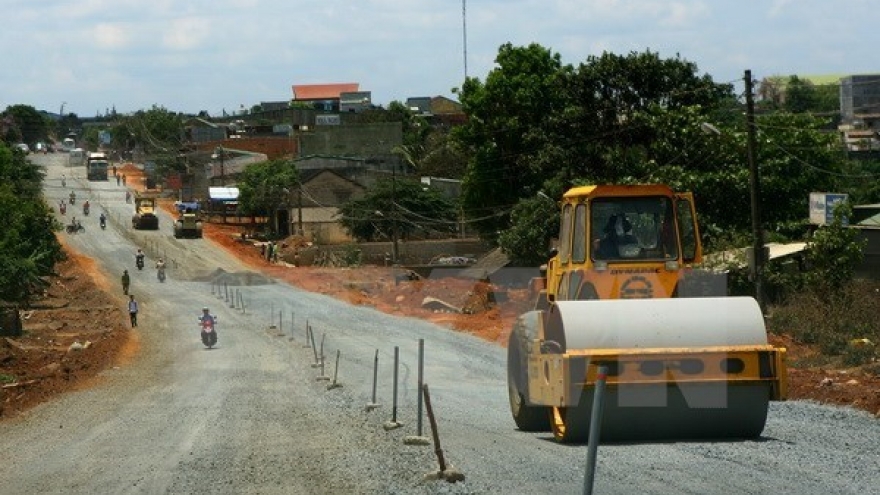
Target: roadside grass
844 324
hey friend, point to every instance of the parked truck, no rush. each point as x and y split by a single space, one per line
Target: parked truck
96 166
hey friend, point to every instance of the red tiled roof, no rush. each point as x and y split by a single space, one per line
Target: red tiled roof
322 91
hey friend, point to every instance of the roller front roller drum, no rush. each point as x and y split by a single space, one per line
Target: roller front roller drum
679 369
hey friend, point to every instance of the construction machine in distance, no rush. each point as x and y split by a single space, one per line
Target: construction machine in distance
145 217
189 221
615 293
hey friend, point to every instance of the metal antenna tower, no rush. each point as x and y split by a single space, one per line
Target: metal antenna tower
464 33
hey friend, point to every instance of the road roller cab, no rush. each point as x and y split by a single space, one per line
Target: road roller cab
623 242
614 294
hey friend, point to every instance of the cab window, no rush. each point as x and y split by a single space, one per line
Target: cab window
579 248
688 234
565 235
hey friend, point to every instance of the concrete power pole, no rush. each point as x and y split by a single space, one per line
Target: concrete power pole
755 188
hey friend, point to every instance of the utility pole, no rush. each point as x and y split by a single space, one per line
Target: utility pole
394 251
218 151
755 188
222 167
299 204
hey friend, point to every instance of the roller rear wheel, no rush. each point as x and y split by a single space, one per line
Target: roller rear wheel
526 417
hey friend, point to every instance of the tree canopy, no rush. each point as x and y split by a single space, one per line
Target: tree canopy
536 125
267 186
410 208
28 247
25 125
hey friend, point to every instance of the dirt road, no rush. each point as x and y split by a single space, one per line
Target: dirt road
251 416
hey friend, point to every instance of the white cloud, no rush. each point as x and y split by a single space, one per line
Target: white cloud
111 36
187 33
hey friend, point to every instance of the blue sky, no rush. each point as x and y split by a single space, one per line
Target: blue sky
215 55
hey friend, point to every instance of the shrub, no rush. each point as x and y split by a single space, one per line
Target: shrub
833 320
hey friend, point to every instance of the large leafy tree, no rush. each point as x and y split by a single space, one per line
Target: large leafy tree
619 105
794 157
402 206
29 126
536 125
506 133
28 247
267 186
802 96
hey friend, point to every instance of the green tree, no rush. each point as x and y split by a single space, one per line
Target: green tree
833 252
406 206
535 120
533 222
266 187
800 96
794 155
157 130
29 125
28 247
508 116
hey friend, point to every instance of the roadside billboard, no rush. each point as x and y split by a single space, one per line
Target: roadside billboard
822 207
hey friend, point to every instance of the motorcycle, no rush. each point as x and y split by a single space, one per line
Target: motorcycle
72 198
209 334
139 261
103 222
160 274
75 228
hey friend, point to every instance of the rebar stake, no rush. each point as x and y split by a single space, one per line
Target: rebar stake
595 428
394 424
334 383
314 347
451 475
319 359
372 404
322 376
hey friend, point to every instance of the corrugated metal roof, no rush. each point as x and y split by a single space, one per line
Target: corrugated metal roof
322 91
223 193
873 221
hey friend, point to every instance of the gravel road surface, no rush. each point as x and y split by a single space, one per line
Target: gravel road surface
250 415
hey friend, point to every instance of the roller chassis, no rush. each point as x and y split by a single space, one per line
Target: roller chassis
678 367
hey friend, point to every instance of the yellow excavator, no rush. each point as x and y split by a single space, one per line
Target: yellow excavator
619 292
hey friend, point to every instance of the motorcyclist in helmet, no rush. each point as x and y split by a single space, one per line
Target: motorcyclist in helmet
160 269
206 318
139 259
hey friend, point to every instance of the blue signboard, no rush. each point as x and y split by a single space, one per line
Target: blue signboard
822 207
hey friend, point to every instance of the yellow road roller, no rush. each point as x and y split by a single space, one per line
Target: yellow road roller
620 290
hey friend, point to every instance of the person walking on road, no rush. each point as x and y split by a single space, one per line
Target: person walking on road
126 281
133 311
